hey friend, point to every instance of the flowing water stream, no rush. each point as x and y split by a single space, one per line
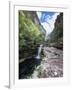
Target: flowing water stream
39 51
40 47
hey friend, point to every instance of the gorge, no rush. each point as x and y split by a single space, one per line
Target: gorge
40 56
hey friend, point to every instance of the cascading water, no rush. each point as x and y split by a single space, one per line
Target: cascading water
39 51
40 47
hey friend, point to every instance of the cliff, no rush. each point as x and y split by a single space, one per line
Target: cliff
56 37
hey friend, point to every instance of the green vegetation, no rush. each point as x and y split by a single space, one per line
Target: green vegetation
30 34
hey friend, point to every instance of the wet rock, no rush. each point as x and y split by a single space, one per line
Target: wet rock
52 64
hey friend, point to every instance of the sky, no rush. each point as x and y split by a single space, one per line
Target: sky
47 20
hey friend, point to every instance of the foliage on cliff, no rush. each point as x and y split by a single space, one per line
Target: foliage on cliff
30 33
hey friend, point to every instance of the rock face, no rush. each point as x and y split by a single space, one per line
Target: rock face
57 34
32 15
51 65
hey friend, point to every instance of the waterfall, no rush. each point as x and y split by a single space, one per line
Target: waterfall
40 47
39 51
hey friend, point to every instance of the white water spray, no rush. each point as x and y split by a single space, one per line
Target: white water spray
39 51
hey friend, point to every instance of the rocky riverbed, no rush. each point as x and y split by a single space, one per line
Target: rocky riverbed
51 65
